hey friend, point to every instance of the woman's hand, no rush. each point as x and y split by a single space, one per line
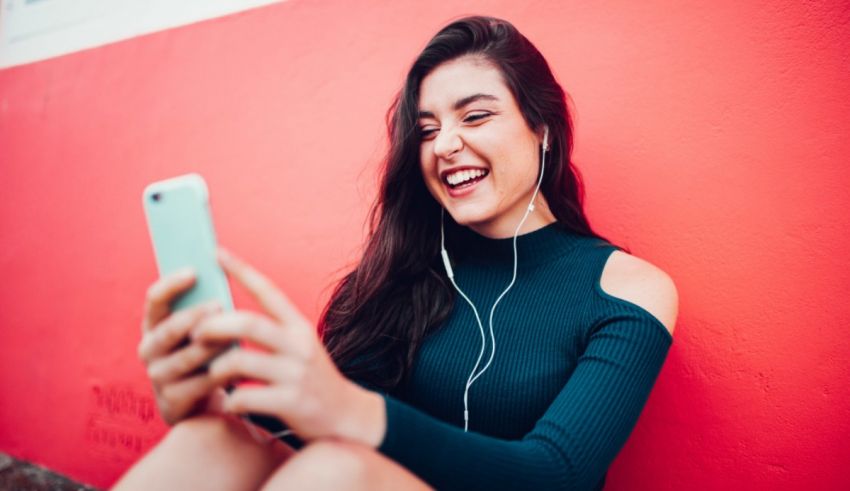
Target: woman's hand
301 384
171 365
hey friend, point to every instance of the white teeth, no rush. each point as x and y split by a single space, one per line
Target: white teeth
463 176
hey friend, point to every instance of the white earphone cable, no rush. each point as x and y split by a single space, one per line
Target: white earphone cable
450 274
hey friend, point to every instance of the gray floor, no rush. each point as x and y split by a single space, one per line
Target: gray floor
19 475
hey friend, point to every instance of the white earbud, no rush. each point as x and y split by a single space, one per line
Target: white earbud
473 376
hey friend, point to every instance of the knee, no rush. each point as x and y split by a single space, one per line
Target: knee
204 452
206 431
346 458
322 464
222 437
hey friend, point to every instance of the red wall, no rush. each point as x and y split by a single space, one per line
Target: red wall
713 139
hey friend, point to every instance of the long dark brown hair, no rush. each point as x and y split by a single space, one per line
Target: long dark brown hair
380 312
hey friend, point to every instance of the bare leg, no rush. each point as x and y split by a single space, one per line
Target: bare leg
207 452
332 465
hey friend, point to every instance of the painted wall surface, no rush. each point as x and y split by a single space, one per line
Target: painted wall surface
712 137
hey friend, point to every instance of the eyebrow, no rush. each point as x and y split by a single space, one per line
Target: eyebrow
462 102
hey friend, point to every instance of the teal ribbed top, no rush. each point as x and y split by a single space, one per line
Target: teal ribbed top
572 370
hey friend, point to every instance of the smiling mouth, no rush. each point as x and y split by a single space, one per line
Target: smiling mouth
464 178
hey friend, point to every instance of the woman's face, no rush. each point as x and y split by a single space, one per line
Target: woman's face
478 156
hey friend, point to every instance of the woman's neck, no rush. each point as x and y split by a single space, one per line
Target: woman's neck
506 225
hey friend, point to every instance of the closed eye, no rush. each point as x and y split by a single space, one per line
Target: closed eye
469 119
476 117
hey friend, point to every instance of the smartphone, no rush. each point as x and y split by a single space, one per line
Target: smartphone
181 230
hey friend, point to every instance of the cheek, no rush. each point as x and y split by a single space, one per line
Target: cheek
426 167
516 176
426 160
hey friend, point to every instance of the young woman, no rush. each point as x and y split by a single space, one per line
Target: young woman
487 339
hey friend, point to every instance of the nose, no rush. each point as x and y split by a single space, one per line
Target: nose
447 143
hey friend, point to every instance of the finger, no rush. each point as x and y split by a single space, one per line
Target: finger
183 362
215 402
165 336
271 401
160 294
254 327
253 365
264 291
182 395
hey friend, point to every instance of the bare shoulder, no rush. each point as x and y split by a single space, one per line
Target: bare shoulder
638 281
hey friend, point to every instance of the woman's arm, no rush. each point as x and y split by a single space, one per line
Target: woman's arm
572 444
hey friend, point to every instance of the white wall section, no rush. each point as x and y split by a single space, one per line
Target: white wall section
32 30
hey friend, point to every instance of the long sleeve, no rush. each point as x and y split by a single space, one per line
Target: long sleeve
572 445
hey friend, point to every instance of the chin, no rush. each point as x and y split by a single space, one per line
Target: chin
469 218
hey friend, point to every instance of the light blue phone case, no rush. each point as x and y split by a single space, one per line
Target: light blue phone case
181 229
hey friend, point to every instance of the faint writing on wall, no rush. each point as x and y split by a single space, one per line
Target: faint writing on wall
122 422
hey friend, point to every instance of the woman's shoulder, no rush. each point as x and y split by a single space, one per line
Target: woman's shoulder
640 282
